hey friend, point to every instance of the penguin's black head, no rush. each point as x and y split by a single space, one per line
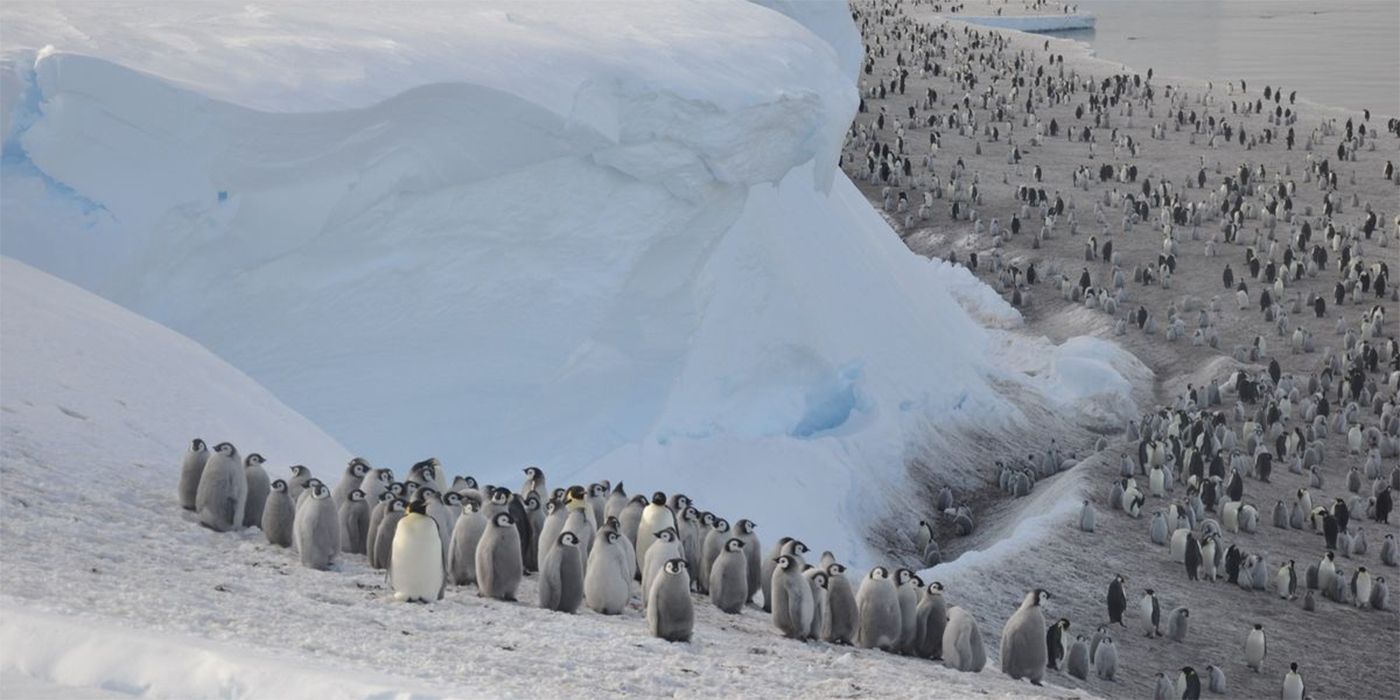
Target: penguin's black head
707 518
279 486
1149 591
658 499
532 501
612 522
611 536
358 467
452 498
357 495
733 545
298 470
799 547
255 459
746 526
385 476
675 566
398 505
396 488
599 490
879 572
667 534
225 448
786 562
1041 595
532 472
419 506
575 493
1293 667
1064 623
470 482
721 524
197 445
568 539
819 578
500 496
558 493
313 482
1258 626
503 520
691 514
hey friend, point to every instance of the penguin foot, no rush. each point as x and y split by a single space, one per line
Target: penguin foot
1035 683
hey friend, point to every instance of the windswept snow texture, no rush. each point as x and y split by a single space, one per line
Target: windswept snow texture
608 239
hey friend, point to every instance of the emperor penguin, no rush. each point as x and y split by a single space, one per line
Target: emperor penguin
223 490
534 482
1192 558
1055 637
1086 516
1327 571
1389 554
1256 647
821 603
1158 530
1361 587
877 603
923 536
1188 684
556 514
630 519
561 575
715 541
729 578
655 518
1163 689
1380 594
354 522
258 487
307 490
1151 612
1106 660
316 529
1023 646
466 537
499 563
1176 624
617 500
692 542
298 481
745 529
418 568
1117 600
580 518
379 543
191 469
670 613
667 545
376 482
607 579
770 562
1077 661
792 599
962 641
907 589
354 476
278 515
844 610
1286 581
931 616
1293 686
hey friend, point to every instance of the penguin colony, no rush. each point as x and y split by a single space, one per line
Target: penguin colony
961 139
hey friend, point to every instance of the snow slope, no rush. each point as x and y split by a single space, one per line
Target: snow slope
110 590
608 239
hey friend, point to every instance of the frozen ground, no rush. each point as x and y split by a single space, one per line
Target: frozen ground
111 590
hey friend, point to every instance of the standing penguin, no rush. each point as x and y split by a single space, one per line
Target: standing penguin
316 529
931 616
745 530
383 551
1151 612
1215 679
729 578
258 487
1293 686
770 563
962 641
1023 650
878 605
1256 647
821 603
844 610
1077 661
607 580
1086 517
714 543
354 522
655 518
353 477
561 575
278 515
1188 684
1055 638
667 546
461 551
1176 624
908 587
1117 600
418 567
1106 660
191 469
792 599
499 562
670 613
223 490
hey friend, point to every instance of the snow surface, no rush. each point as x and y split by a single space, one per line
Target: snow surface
607 239
111 590
1031 23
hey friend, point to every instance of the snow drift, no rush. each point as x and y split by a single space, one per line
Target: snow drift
609 239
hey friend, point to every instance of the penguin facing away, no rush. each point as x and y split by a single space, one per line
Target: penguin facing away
1023 643
962 641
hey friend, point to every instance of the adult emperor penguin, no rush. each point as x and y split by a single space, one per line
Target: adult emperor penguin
223 490
354 522
792 599
962 641
258 487
1176 624
907 588
1361 587
844 610
316 529
931 616
1188 684
561 575
1055 638
1327 571
655 518
607 580
729 578
1256 647
499 563
1293 686
877 603
1151 612
278 515
1286 581
1023 649
191 469
745 530
670 613
417 568
668 546
1106 660
354 476
1077 660
466 536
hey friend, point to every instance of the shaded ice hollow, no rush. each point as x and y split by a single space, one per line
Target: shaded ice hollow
611 240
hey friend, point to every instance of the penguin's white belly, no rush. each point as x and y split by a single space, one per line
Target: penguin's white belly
417 559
